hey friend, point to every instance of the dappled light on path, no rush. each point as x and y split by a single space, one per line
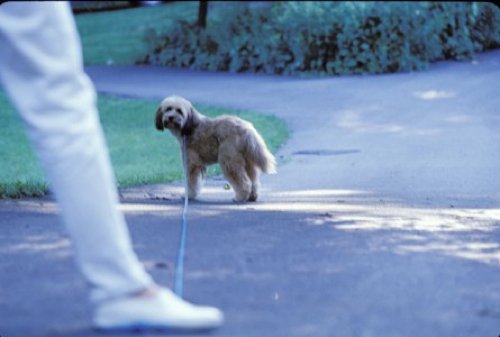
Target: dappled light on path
469 233
37 244
401 227
434 94
391 225
353 120
465 233
362 121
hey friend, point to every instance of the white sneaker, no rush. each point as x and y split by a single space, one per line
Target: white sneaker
161 311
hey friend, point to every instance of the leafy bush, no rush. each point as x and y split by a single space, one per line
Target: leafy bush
329 37
95 6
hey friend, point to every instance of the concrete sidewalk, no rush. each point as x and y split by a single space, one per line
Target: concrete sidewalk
427 135
383 219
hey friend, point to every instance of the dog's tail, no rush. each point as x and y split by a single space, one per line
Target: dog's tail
259 153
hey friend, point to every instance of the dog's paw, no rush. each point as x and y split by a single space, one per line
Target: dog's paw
253 197
190 197
192 194
242 200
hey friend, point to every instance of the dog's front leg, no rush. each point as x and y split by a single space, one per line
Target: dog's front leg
196 180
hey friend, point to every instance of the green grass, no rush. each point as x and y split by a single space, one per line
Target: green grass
20 173
140 154
116 37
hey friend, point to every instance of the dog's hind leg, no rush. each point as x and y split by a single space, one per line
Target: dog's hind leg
253 174
235 173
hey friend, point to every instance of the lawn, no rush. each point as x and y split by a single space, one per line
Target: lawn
139 153
116 37
20 173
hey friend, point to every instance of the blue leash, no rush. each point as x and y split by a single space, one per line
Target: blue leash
179 268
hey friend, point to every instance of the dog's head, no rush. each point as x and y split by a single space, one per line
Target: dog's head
176 114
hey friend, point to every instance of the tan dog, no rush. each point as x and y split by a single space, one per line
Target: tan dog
228 140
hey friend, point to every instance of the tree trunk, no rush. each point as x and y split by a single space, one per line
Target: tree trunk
202 13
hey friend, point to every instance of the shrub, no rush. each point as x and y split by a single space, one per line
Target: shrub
329 37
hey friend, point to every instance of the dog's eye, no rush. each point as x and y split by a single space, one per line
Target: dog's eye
178 111
168 109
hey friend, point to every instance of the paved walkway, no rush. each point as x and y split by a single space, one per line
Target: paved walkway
427 135
383 219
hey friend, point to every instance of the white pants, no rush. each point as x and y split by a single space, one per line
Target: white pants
41 70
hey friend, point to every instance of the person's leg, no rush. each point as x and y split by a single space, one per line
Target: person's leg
41 69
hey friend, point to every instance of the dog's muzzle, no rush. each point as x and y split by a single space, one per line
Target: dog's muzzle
171 123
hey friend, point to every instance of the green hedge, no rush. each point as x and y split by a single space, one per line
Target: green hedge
329 37
97 6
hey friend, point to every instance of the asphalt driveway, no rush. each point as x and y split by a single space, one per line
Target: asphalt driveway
383 219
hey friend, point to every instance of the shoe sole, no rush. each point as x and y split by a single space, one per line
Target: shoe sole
142 328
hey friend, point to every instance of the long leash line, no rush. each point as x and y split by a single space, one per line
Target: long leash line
179 267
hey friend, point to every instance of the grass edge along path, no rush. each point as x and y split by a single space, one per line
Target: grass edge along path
140 154
118 37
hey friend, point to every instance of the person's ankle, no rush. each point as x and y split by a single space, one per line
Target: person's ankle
150 291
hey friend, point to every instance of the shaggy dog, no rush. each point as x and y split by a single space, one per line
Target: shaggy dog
228 140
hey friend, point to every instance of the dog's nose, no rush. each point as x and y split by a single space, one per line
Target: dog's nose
170 118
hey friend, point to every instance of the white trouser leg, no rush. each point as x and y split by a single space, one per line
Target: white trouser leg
41 69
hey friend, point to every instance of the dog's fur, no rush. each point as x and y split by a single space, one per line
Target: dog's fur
228 140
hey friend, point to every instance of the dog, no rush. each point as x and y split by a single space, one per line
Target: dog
228 140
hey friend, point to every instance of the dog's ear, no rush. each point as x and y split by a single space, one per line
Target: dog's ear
159 119
191 124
